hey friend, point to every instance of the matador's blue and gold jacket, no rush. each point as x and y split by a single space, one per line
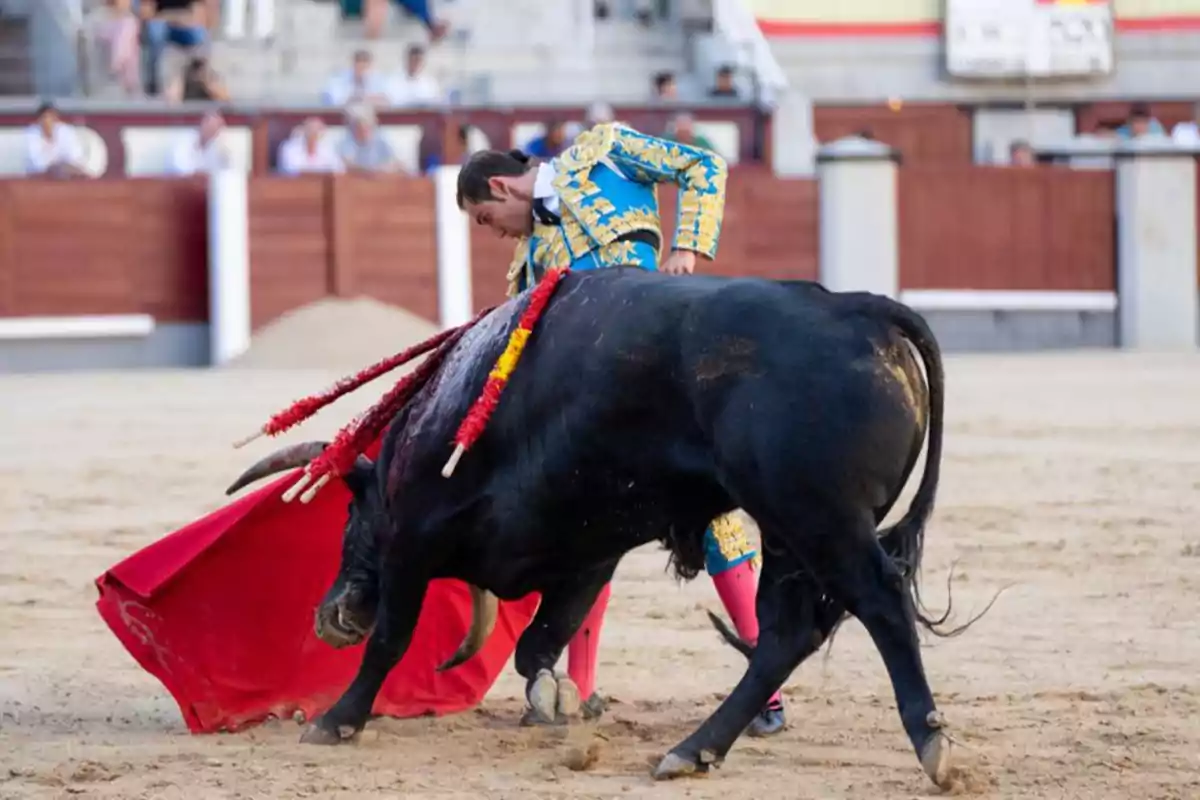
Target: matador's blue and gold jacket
607 212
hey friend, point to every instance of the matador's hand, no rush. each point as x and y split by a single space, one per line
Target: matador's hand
680 262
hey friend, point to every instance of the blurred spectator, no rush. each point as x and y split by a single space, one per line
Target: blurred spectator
643 11
114 29
363 148
264 18
1020 154
430 151
198 81
170 22
1107 128
52 147
374 13
550 143
357 84
723 85
309 150
1141 123
416 87
682 129
201 149
665 87
1187 133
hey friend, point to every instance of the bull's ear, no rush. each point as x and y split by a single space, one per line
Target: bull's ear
360 476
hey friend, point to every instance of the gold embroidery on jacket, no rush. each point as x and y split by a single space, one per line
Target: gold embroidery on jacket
593 220
731 537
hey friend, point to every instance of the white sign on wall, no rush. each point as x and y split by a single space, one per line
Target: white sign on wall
1028 38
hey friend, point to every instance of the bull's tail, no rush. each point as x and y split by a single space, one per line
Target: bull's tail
904 542
730 638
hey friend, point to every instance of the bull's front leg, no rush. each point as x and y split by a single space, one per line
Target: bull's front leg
554 699
401 596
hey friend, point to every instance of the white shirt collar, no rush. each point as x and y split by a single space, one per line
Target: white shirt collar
543 186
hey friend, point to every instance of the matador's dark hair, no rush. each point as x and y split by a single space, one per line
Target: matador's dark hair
473 177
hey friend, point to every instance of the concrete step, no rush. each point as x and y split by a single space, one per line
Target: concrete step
310 18
494 54
619 37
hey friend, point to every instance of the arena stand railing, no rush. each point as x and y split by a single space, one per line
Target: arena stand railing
1045 260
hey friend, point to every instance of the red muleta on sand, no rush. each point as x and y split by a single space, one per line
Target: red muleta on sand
221 610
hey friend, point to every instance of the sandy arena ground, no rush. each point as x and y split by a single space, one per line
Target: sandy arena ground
1074 478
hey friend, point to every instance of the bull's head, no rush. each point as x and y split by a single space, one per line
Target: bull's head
347 613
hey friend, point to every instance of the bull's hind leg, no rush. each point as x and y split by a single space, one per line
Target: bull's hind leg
554 699
858 571
793 623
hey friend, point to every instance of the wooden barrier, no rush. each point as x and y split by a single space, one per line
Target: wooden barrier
113 246
923 133
315 236
999 228
104 247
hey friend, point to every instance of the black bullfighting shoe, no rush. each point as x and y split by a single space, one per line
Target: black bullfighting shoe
769 721
594 707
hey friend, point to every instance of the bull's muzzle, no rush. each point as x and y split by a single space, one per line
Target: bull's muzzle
340 625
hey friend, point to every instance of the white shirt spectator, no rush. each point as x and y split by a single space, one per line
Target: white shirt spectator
343 88
62 147
296 159
1186 134
189 156
415 90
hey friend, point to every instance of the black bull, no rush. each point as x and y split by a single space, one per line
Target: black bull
645 406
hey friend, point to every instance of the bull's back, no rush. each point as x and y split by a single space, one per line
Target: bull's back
652 339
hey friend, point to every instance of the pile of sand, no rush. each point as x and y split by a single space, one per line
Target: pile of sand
335 334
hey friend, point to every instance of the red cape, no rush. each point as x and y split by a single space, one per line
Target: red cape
221 611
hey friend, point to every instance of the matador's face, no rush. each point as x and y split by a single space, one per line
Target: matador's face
509 213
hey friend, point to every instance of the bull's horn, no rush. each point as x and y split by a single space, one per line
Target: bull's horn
296 455
484 607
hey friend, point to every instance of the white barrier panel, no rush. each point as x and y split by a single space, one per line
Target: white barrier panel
1016 300
455 305
114 326
1156 246
860 238
228 265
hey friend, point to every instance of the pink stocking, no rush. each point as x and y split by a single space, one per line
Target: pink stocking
737 587
584 648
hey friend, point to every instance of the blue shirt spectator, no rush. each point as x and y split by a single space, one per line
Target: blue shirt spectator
1141 123
551 143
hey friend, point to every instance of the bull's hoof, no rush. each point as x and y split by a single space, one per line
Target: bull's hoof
674 766
935 760
770 721
335 630
594 707
567 702
542 695
319 734
553 700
